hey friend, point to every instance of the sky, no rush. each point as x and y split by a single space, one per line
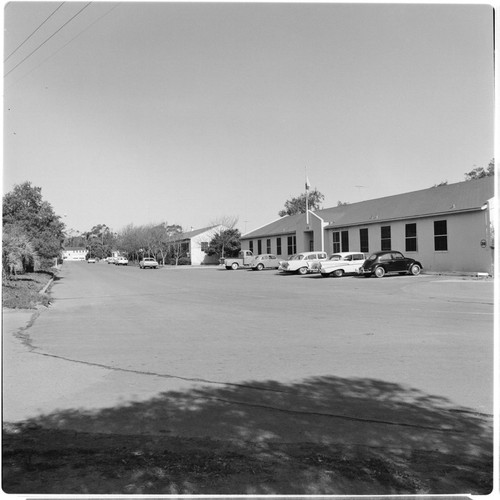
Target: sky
190 113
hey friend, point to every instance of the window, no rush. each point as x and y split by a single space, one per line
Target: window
345 241
363 240
278 246
340 241
259 246
292 245
204 246
440 236
336 242
250 246
411 237
385 238
268 245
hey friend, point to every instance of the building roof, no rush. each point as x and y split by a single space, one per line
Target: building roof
451 198
191 234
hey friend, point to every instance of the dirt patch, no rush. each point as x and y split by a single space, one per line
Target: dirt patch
42 461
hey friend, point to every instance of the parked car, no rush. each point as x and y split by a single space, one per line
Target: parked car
303 263
111 260
265 261
91 260
342 263
148 262
382 263
121 261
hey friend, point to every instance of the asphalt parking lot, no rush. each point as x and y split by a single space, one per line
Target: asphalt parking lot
170 328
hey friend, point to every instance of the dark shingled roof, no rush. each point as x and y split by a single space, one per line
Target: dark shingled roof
452 198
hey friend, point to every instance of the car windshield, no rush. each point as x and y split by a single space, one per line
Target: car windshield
336 257
297 257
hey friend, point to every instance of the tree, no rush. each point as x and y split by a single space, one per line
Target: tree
298 205
25 208
18 251
225 243
480 172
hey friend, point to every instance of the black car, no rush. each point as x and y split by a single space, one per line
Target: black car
381 263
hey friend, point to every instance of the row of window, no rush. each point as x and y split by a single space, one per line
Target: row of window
341 240
291 246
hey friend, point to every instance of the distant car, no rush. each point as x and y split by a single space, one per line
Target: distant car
148 262
91 260
382 263
342 263
265 261
121 261
111 260
303 263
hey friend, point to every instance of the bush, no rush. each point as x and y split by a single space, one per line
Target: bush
184 261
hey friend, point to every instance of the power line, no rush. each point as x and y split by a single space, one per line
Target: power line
26 39
45 41
66 44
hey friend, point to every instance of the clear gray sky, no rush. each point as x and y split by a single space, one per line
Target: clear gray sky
150 112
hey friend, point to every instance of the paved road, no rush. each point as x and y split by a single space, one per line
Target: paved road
129 338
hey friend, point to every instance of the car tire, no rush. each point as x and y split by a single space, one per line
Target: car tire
234 266
338 273
302 271
379 272
415 269
260 267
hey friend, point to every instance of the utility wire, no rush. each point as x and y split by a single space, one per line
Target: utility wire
26 39
45 41
66 44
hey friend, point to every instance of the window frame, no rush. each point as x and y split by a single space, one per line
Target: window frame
385 239
411 240
441 238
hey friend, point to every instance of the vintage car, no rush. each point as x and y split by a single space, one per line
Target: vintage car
342 263
382 263
121 261
148 262
265 261
303 263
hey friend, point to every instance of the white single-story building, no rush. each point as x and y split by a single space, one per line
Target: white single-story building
194 243
74 253
448 228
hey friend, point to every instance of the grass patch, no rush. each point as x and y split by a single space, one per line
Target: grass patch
23 291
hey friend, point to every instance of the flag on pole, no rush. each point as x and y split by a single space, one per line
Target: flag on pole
308 185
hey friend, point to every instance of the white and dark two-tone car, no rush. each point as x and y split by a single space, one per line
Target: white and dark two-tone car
342 263
303 263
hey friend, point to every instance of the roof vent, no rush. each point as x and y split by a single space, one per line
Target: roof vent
453 206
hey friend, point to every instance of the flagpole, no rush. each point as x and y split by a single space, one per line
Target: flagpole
307 199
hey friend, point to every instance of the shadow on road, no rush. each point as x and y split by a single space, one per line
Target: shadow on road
324 435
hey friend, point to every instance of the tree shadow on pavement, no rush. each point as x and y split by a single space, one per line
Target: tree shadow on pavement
323 435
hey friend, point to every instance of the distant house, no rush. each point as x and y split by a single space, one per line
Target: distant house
194 243
447 228
74 253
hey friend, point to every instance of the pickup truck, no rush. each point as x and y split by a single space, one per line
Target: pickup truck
244 259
